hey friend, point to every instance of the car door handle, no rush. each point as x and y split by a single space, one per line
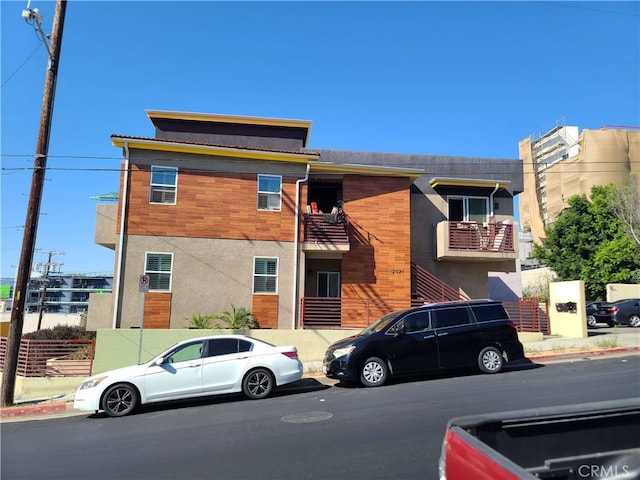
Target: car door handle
443 334
428 336
196 364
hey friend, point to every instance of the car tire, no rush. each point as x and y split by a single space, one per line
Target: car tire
490 360
120 400
591 321
634 321
258 383
374 372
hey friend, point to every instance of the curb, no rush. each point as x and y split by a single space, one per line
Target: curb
584 353
31 409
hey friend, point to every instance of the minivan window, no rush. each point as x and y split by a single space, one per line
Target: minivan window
416 322
449 317
486 313
381 323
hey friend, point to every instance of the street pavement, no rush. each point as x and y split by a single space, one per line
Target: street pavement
601 342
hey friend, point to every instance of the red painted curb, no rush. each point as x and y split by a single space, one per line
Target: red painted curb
32 409
583 353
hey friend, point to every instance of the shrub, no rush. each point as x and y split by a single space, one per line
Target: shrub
61 332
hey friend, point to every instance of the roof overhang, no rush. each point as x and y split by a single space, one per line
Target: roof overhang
232 119
200 149
468 182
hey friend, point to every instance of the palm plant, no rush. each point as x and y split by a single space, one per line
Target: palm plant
238 318
200 321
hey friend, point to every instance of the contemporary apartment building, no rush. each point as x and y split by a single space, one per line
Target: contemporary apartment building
561 163
222 211
61 292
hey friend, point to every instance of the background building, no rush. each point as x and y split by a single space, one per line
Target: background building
560 163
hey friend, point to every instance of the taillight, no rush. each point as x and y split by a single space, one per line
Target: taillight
513 324
292 354
614 309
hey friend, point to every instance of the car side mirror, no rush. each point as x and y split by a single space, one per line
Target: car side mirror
159 361
400 330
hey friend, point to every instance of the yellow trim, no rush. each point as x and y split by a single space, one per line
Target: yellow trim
156 145
467 182
209 117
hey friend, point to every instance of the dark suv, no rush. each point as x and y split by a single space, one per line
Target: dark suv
431 337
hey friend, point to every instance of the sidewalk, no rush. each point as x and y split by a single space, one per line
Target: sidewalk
601 343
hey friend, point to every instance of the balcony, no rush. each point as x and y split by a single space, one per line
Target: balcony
105 234
323 233
476 242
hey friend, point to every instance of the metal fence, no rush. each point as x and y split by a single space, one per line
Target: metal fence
52 358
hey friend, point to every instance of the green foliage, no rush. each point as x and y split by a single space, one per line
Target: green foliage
587 242
201 321
61 332
238 318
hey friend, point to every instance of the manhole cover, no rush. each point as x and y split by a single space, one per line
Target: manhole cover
307 417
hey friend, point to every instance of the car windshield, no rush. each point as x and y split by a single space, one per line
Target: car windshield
381 323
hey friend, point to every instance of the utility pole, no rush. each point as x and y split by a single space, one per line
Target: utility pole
46 269
33 209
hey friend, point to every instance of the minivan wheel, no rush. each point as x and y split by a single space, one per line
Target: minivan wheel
634 321
490 360
591 321
374 372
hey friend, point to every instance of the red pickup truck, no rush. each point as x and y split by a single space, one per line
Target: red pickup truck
572 442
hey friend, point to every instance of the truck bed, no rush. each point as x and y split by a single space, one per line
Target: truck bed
585 441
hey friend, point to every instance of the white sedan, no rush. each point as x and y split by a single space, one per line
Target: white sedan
193 368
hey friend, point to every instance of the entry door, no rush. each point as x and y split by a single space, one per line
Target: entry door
180 375
328 284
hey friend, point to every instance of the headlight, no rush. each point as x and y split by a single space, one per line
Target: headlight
91 383
341 352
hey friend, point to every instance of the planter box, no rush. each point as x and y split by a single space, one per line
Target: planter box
61 367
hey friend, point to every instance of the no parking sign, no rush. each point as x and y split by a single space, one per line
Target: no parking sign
143 283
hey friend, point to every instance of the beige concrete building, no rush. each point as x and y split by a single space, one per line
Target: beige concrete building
561 163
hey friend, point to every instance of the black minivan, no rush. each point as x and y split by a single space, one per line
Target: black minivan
431 337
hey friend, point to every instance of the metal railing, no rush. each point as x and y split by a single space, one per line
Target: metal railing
52 358
334 312
481 237
322 228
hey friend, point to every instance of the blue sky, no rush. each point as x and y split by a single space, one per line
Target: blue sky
452 78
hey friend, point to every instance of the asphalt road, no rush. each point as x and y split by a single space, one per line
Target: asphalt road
309 431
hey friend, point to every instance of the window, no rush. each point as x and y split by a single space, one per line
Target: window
265 275
158 268
468 209
164 181
328 284
487 313
450 317
191 351
416 322
269 192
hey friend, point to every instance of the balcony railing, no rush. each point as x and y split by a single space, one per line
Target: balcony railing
324 230
484 237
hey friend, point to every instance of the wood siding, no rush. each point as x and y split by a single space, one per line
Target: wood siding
265 310
209 205
379 263
157 310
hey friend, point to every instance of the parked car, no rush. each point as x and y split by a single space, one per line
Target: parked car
622 312
193 368
430 337
591 308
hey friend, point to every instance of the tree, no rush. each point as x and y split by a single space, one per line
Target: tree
625 203
588 242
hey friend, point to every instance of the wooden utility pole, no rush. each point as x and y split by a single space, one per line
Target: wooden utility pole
33 209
